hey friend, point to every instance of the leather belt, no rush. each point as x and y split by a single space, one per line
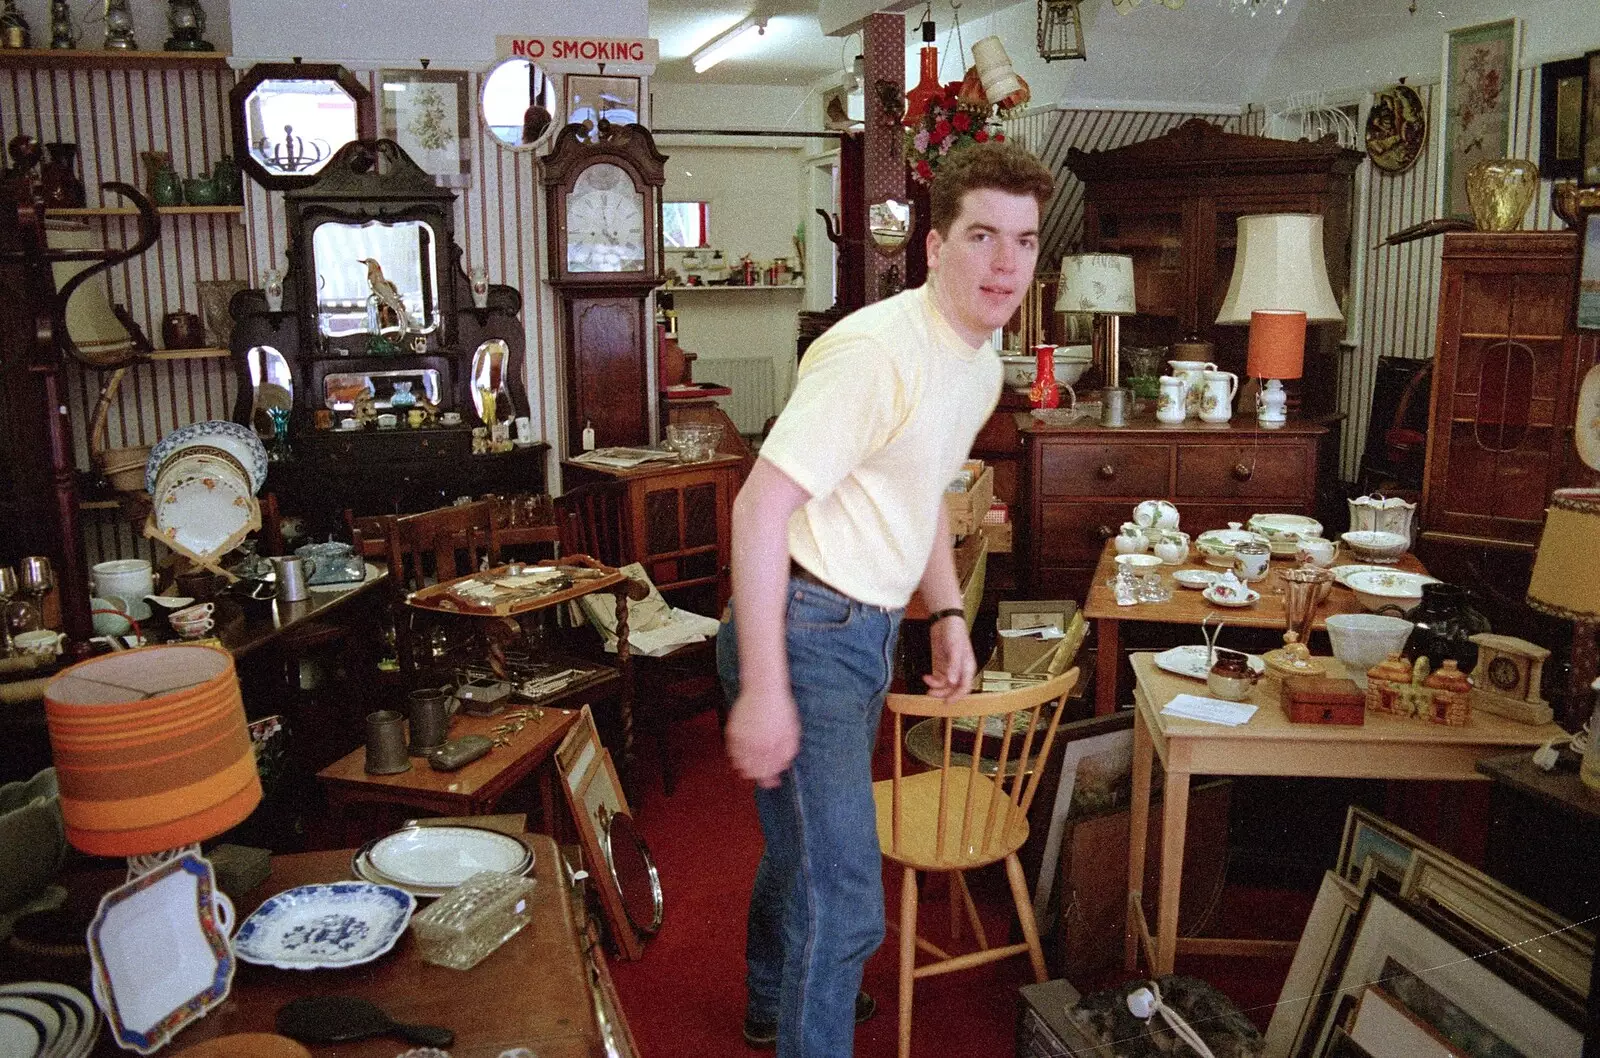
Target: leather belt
799 572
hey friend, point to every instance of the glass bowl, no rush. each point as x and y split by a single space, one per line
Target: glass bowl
694 441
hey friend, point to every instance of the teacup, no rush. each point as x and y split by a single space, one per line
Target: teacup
388 421
191 614
1315 551
193 629
450 418
42 642
349 424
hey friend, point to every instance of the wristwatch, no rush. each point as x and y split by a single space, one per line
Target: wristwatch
940 615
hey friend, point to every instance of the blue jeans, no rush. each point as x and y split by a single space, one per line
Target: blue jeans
816 911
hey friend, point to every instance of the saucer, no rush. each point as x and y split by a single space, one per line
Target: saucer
1195 578
1251 597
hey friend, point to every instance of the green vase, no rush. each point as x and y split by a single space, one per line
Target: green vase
166 188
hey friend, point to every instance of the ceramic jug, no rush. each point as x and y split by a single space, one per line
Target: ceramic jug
1171 405
1193 374
1217 390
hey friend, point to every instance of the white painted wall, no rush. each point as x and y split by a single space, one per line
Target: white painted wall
755 197
687 105
1342 46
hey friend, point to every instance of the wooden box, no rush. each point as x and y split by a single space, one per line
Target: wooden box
1319 700
966 510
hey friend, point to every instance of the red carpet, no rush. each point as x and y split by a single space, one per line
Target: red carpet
686 996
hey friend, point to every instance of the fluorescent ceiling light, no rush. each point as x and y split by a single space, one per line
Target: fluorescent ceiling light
727 43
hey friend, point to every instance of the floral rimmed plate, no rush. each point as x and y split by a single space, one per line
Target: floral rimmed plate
320 927
1194 661
202 512
173 918
239 441
1343 573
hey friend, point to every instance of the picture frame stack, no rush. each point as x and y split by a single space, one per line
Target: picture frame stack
1408 950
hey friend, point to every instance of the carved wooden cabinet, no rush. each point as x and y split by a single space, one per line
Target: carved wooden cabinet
1505 380
679 524
1082 481
1173 203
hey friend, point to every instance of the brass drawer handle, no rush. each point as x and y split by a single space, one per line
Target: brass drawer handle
1105 532
1107 471
1242 472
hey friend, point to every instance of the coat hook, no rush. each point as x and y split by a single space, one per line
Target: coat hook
424 62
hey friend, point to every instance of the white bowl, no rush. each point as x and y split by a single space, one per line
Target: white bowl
1138 562
1195 578
1371 545
1377 588
1071 361
1362 640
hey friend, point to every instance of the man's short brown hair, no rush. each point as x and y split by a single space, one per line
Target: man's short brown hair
983 166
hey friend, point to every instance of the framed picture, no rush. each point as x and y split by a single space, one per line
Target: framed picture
428 113
1477 88
1561 118
1472 1006
591 97
1300 1008
594 795
1096 774
1372 844
1589 275
1590 151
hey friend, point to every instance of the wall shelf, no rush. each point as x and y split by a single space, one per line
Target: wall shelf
102 58
705 289
129 211
98 505
190 354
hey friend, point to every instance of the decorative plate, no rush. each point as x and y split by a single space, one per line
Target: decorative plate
1249 598
318 927
80 1022
1397 128
1587 429
202 458
174 918
1342 573
1195 578
1194 661
21 1035
202 512
442 857
239 441
1390 583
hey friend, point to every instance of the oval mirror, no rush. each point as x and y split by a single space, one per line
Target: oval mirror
290 119
628 858
519 105
491 384
272 384
890 222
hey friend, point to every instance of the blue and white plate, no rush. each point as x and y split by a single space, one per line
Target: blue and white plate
238 441
321 927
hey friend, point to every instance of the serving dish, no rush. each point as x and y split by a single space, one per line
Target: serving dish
1194 661
1373 545
1249 597
1377 588
176 918
1216 545
320 927
435 859
1283 531
239 441
1070 362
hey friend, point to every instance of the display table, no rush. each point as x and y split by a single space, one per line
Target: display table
1384 747
539 990
1188 607
267 623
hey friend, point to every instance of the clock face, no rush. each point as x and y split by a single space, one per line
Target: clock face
1505 674
605 222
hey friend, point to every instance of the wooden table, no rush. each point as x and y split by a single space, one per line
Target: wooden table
538 990
1187 607
474 790
1384 747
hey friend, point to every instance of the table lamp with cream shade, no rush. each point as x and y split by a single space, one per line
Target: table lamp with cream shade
1102 284
1279 267
1566 577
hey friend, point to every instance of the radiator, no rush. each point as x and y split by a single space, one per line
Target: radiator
754 390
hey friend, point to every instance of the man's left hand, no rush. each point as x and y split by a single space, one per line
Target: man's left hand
953 662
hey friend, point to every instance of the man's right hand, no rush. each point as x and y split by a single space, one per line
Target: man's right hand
763 736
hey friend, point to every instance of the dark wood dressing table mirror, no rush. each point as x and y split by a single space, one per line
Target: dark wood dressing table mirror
376 306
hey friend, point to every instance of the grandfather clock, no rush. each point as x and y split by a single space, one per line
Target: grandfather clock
603 200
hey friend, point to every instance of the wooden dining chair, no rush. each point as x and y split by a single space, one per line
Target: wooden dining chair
447 542
962 815
593 520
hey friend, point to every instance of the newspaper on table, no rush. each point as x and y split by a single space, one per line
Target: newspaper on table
655 627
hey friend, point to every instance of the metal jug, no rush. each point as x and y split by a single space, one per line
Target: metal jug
294 573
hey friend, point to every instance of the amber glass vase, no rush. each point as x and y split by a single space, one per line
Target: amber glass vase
1501 192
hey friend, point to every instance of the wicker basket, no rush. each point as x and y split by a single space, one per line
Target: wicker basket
123 467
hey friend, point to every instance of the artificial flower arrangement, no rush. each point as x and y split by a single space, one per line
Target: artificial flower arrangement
959 117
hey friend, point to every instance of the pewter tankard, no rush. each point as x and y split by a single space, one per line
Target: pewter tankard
293 573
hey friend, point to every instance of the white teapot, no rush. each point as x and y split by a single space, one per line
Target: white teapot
1156 514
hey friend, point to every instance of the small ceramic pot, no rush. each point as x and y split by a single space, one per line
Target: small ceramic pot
1315 551
1131 540
1230 677
1173 548
1251 559
1159 514
387 421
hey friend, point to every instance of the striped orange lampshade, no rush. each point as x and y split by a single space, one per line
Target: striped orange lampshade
1277 344
151 749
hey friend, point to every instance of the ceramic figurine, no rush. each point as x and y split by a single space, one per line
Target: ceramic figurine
388 298
63 34
364 409
1450 695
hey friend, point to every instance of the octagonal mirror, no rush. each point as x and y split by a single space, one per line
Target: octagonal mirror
289 119
519 105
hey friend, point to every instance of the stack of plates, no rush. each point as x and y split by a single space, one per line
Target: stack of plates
39 1019
430 861
202 479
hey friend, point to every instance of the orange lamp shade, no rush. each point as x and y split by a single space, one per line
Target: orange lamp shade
151 749
1277 344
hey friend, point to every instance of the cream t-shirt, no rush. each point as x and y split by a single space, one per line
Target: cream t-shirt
886 408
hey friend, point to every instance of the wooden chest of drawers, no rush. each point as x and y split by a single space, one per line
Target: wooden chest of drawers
1080 483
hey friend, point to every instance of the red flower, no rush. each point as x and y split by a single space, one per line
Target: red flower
962 121
999 137
941 129
924 170
981 136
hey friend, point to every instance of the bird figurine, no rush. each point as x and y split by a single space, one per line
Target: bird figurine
388 296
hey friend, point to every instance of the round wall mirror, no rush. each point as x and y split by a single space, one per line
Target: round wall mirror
890 223
519 105
628 858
